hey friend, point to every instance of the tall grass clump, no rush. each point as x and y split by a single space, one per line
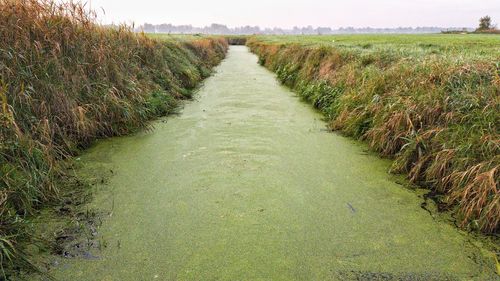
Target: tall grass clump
66 81
437 115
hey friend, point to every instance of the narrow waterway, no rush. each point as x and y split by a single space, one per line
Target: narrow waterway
246 184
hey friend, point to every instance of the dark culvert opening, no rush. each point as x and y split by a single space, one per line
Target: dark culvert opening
236 40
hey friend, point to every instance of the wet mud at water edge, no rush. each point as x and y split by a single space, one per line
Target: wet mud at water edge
245 184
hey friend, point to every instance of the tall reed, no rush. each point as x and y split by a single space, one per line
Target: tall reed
65 82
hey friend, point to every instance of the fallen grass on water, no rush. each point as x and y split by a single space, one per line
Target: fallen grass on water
65 82
433 108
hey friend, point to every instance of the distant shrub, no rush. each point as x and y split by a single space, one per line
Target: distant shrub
486 26
485 23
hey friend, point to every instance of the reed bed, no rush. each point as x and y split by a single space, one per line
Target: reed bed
65 81
436 113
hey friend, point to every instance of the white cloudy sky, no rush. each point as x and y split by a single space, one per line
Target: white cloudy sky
289 13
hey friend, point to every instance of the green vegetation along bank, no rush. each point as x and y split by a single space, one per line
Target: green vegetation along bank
431 102
65 82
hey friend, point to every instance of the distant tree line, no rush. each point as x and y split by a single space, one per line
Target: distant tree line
308 30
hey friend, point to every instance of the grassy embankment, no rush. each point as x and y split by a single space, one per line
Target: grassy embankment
432 102
65 82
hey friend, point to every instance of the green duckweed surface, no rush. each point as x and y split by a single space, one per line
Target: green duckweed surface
246 184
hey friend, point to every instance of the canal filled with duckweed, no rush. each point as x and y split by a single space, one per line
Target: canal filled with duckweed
246 184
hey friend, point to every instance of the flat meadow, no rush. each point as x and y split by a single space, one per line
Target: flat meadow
458 45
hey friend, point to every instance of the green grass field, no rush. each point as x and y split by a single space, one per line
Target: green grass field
469 45
458 46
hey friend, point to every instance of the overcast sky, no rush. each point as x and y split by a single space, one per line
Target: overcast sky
289 13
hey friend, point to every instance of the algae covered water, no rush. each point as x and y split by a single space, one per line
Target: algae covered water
245 184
